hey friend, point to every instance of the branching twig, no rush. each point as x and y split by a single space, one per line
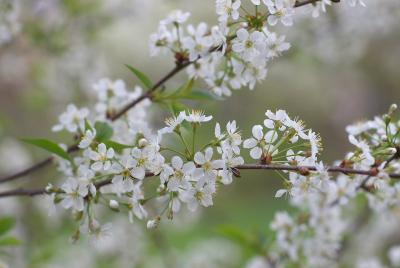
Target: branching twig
332 169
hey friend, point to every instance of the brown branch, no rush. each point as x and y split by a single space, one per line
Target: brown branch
147 95
36 166
332 169
23 192
307 2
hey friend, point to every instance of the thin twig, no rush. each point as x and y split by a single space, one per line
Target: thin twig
332 169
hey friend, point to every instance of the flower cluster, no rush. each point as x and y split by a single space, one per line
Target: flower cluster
121 162
323 200
9 20
235 53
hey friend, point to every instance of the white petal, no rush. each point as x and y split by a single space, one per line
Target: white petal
256 153
249 143
177 162
257 132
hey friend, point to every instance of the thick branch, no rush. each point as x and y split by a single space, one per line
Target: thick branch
331 169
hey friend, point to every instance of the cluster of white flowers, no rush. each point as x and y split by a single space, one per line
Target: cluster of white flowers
9 20
315 236
119 160
189 177
235 53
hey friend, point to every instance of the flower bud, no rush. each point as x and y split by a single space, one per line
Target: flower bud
161 188
49 187
152 224
142 143
392 108
114 205
390 151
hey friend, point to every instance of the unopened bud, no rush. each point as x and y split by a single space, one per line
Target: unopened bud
142 143
161 188
49 187
392 108
114 205
152 224
387 118
390 151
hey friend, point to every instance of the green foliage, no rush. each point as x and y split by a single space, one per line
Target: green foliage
116 145
9 241
6 224
49 146
141 76
251 244
104 131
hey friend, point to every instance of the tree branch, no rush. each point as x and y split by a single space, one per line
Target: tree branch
331 169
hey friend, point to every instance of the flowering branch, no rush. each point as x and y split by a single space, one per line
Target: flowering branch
148 95
300 169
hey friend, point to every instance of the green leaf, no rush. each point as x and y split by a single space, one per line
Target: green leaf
9 241
181 92
117 146
177 107
48 146
142 77
234 234
6 224
187 88
104 131
87 125
202 95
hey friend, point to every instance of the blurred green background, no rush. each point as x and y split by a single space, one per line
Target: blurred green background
342 67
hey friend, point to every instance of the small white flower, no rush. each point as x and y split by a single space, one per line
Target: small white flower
394 255
101 157
142 161
280 10
197 116
87 139
227 8
176 16
201 194
256 144
198 44
249 45
177 175
276 45
73 119
75 191
208 166
172 124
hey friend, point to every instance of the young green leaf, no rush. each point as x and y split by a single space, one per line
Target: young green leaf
176 107
142 77
116 145
181 92
49 146
104 131
6 224
201 95
9 241
88 126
